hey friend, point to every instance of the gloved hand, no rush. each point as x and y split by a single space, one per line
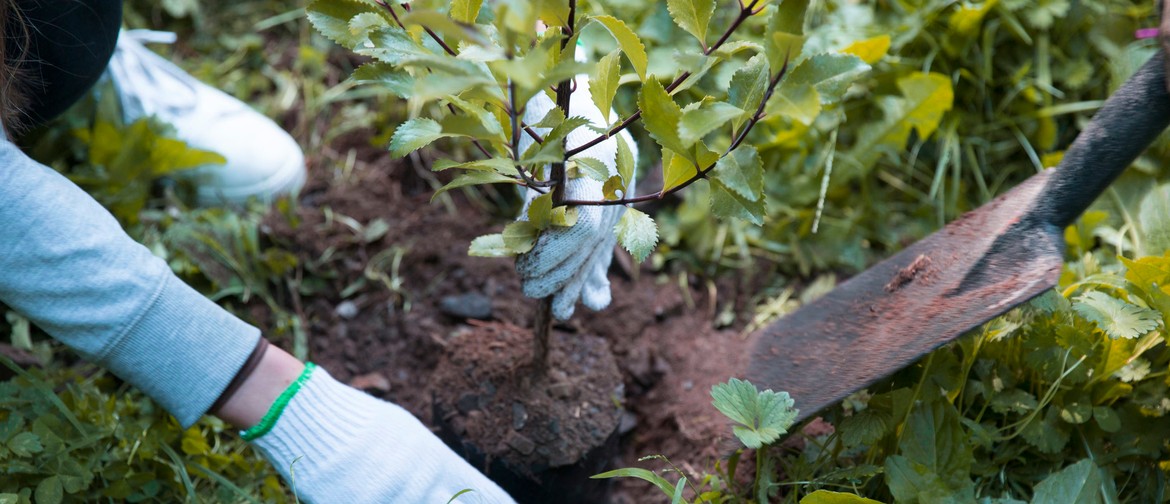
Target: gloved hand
571 263
335 444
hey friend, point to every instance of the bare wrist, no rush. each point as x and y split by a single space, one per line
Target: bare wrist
247 404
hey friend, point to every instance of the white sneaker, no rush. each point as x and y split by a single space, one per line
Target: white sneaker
263 160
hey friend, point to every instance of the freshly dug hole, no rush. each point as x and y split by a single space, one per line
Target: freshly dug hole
539 437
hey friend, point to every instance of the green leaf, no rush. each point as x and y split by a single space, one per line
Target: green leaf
829 497
1107 419
1079 483
612 186
593 168
642 474
628 41
864 428
701 118
564 216
386 76
603 85
491 245
479 111
934 438
763 416
925 98
748 86
520 236
693 16
824 77
9 498
540 211
625 162
414 134
726 204
1117 318
49 491
503 166
331 18
637 233
1076 412
475 178
25 444
786 26
678 490
675 170
1047 434
741 171
465 11
913 483
661 116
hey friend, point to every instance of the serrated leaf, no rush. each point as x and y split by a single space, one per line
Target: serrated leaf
1047 434
829 497
913 483
748 86
741 171
864 428
414 134
925 98
726 204
540 211
692 16
25 444
1079 483
520 236
675 170
763 416
660 116
1117 318
625 162
1019 401
386 76
49 491
479 111
612 187
593 168
474 178
870 50
564 216
603 84
798 102
786 26
465 11
393 46
331 18
934 437
628 41
642 474
638 233
489 246
704 118
503 166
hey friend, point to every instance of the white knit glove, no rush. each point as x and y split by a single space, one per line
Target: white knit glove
335 444
571 263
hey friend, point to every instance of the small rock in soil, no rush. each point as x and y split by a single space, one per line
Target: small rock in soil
519 415
521 443
628 422
472 305
371 381
688 384
562 391
467 402
346 310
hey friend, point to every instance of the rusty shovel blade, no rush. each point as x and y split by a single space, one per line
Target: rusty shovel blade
976 268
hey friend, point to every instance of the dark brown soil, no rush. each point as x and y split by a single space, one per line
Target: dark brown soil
373 310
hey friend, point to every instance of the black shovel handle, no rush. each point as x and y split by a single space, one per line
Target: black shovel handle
1128 122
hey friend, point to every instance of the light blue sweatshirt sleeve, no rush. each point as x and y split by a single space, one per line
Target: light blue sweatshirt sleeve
67 265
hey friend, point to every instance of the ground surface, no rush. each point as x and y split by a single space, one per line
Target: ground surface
388 331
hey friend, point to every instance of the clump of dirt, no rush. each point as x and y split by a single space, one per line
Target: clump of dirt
372 305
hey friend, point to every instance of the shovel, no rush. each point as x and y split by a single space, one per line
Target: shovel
981 265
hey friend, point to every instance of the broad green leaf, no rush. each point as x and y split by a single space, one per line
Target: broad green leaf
394 46
742 172
1017 400
830 497
49 491
934 437
1047 434
540 211
660 116
925 98
1107 419
475 178
864 428
913 483
1154 220
451 32
386 76
787 28
1076 412
9 498
625 162
637 233
603 84
480 112
520 236
628 41
414 134
613 188
798 102
593 168
1079 483
870 50
331 18
564 216
25 444
1117 318
701 118
748 86
465 11
502 166
726 204
642 474
816 81
692 16
763 416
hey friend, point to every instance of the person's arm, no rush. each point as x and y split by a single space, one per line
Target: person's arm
67 265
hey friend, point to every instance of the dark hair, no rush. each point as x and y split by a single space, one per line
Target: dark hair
13 49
